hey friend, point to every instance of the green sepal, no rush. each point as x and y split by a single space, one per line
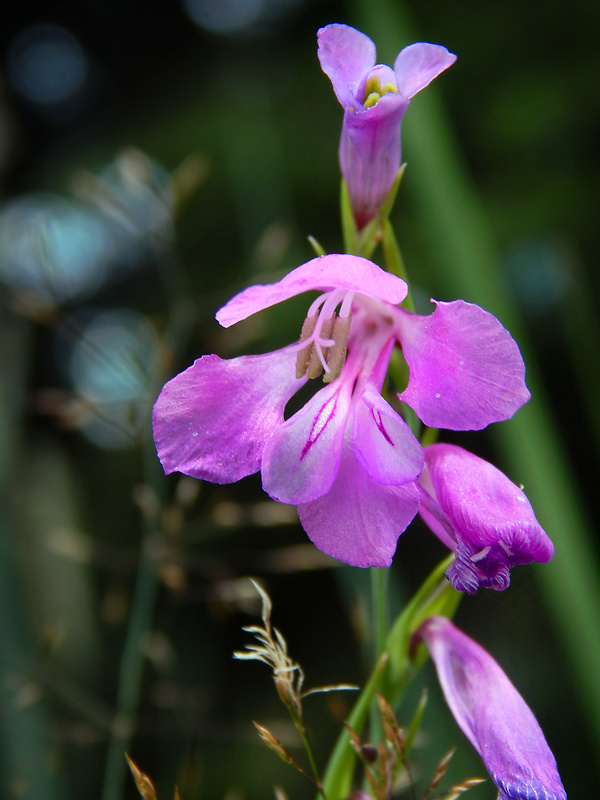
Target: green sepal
357 243
394 262
388 203
349 231
369 238
399 373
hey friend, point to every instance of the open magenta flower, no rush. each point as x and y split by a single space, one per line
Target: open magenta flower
374 98
346 458
481 515
492 715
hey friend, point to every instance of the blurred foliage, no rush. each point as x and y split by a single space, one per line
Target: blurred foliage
122 594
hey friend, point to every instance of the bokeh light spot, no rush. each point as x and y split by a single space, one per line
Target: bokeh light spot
224 17
539 272
109 367
46 64
53 249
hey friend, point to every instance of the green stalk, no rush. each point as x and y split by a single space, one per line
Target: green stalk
132 662
337 780
26 763
379 595
147 582
393 671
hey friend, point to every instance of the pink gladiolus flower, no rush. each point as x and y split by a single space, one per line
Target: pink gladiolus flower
481 515
374 98
346 458
492 715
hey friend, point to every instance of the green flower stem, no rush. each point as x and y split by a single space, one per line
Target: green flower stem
379 603
379 599
394 670
301 728
393 259
337 780
349 232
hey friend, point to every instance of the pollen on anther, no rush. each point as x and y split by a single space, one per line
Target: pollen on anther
318 356
336 356
303 357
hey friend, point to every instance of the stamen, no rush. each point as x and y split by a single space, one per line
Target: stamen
374 90
316 304
336 355
506 547
346 304
372 99
481 554
372 85
303 357
318 357
325 335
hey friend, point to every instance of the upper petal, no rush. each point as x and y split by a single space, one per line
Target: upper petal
383 442
346 55
335 271
212 421
418 64
301 458
492 715
466 370
359 520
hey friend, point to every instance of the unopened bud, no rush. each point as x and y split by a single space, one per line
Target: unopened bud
369 753
276 746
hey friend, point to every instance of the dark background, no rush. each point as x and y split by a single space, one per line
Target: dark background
240 128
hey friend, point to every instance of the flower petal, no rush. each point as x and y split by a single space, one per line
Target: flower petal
492 715
466 370
383 442
301 458
418 64
323 273
212 421
359 520
370 154
484 506
345 55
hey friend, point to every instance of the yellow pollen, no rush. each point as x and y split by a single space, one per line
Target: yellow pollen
372 99
374 90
